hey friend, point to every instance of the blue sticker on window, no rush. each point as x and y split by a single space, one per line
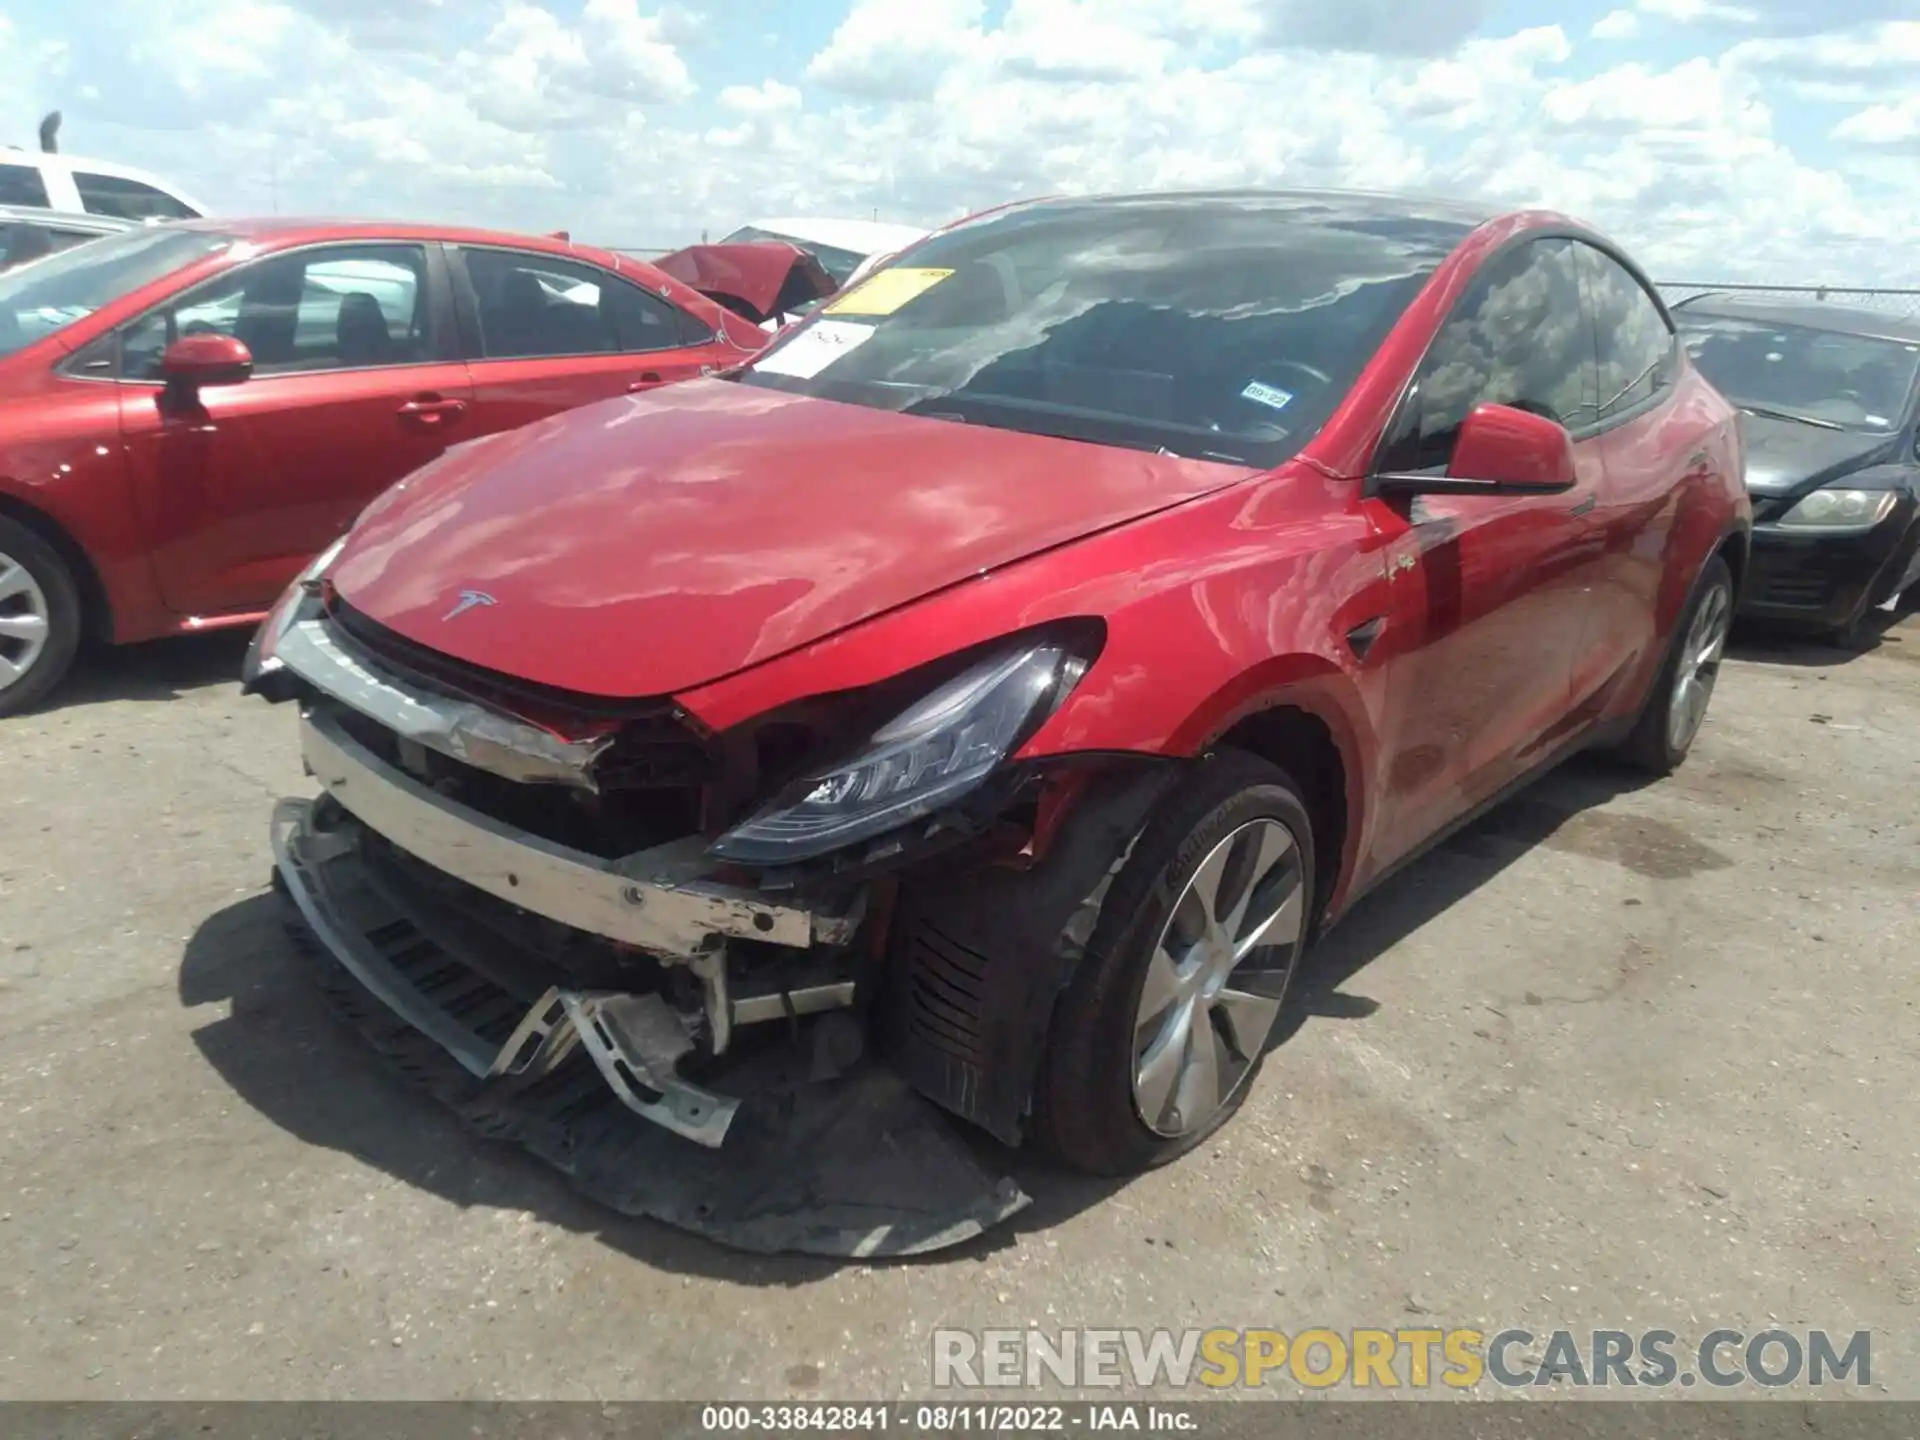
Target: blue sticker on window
1272 396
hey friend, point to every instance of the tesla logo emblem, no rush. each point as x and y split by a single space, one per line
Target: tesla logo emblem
469 600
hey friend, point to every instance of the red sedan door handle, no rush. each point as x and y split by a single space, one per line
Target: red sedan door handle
647 381
432 410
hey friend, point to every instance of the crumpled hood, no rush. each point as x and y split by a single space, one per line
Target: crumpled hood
758 274
652 543
1785 458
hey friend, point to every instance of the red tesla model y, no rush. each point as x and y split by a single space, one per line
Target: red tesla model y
993 687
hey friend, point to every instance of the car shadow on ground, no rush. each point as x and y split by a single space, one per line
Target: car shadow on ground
155 670
1896 634
284 1053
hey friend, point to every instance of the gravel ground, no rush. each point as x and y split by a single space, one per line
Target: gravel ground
1622 1057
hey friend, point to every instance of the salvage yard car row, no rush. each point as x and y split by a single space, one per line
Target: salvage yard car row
969 701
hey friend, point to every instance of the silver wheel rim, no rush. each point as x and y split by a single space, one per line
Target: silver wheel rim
1699 667
24 621
1216 977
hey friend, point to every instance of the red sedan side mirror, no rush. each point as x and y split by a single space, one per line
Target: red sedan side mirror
196 360
1499 451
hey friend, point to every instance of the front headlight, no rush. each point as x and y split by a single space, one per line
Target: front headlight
1840 510
927 756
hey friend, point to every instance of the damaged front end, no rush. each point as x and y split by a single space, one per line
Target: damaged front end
656 956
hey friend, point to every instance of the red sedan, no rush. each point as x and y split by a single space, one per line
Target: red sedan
1005 676
145 490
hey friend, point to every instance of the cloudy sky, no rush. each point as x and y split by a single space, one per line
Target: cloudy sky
1720 139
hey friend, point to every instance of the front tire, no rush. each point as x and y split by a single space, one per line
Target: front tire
1157 1039
1677 705
39 617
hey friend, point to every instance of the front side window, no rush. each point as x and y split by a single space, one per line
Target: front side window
1636 345
57 291
348 308
1856 382
129 199
1218 329
23 185
531 306
1520 336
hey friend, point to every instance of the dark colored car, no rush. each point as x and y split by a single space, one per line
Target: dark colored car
145 490
1006 675
1831 397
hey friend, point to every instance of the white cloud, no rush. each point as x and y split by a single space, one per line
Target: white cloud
594 117
1616 25
1895 125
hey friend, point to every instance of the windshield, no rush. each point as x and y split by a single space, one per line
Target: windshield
1854 381
1225 329
838 263
52 293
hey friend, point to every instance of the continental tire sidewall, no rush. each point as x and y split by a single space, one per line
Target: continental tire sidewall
1085 1109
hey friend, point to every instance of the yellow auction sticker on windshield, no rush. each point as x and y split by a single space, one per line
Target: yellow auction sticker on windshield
886 292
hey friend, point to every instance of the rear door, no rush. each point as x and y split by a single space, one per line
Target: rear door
356 383
544 334
1486 589
1648 445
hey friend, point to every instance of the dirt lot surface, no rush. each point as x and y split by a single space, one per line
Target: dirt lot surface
1625 1057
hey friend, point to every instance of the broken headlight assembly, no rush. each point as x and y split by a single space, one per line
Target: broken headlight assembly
929 755
261 663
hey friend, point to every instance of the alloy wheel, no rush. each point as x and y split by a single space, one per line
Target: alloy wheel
1216 977
25 621
1699 667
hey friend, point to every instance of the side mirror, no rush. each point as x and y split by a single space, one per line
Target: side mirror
196 360
1500 451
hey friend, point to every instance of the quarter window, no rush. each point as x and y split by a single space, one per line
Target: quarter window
1636 345
538 305
340 309
129 199
1520 336
23 185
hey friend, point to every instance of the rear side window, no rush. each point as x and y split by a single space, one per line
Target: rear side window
1520 336
129 199
530 306
22 185
1637 349
352 308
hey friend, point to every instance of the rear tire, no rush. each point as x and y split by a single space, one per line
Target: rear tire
39 617
1114 1055
1662 736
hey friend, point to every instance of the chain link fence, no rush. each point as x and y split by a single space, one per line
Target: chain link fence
1902 303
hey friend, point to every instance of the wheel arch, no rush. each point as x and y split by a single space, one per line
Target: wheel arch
1304 714
96 609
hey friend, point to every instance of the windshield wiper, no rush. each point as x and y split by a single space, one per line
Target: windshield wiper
1773 414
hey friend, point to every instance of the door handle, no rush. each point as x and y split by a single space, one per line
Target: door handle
1585 505
432 410
648 379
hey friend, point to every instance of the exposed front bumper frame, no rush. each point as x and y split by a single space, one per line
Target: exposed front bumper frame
633 1040
663 901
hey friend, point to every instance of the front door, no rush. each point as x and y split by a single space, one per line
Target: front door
549 334
1487 604
1649 445
355 385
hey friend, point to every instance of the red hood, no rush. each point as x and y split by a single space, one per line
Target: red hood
646 545
757 273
